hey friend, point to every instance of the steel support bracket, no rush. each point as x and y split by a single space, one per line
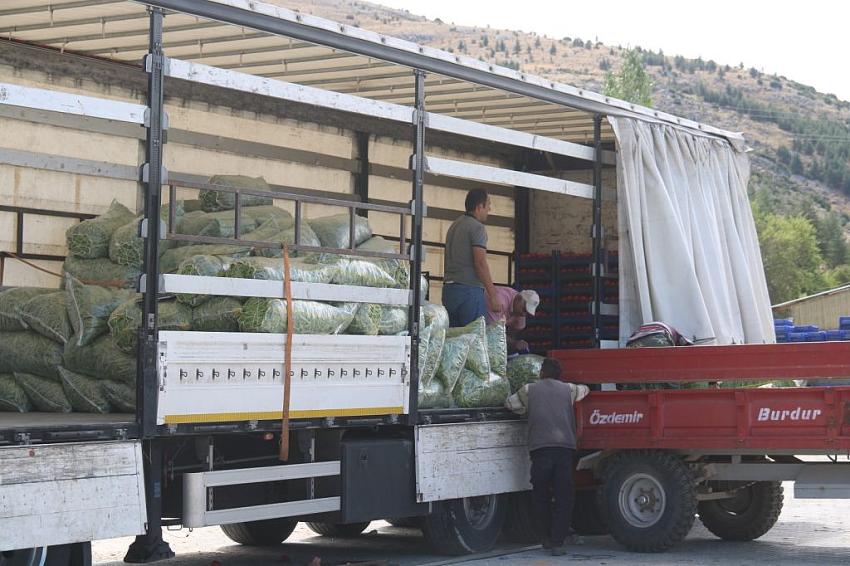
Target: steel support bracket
150 60
143 229
145 174
165 121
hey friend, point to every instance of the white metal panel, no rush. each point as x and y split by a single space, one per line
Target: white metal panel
270 511
471 459
197 504
269 473
235 287
233 376
487 174
66 493
233 80
55 101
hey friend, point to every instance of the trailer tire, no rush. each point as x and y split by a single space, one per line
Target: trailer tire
648 498
78 554
465 526
519 520
268 532
747 516
338 530
588 518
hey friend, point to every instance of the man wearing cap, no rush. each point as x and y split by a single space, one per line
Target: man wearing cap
513 307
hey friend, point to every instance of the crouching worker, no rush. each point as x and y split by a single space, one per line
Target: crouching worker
552 445
514 306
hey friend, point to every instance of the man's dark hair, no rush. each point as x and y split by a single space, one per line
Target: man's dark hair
551 369
474 198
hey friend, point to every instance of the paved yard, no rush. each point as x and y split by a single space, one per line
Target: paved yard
808 532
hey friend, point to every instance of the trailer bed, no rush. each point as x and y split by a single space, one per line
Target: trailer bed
786 419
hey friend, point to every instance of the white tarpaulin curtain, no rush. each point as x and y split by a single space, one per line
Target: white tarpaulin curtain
689 253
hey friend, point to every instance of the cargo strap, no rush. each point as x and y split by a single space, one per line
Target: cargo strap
287 358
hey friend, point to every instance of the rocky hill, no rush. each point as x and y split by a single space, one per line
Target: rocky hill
800 137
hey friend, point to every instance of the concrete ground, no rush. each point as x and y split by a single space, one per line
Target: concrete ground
808 532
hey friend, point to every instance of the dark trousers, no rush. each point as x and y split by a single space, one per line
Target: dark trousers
552 480
464 303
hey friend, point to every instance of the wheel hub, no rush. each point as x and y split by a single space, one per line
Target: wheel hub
642 500
479 510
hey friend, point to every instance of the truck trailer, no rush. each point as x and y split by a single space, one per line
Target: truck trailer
142 102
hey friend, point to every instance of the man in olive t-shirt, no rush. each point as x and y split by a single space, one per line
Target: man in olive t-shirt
468 287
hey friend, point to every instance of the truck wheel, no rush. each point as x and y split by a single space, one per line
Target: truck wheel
648 499
465 526
748 515
587 516
260 533
338 530
78 554
519 519
405 523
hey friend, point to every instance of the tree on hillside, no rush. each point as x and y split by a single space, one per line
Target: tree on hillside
790 253
630 82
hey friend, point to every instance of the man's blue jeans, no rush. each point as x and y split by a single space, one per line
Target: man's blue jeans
465 303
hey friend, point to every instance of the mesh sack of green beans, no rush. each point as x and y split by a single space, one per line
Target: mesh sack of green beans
219 314
309 317
333 231
478 360
497 347
223 224
453 359
393 320
11 299
271 269
101 359
127 247
424 341
472 391
433 395
435 315
362 273
523 369
89 307
13 399
367 318
212 200
436 340
90 238
29 352
102 272
282 232
202 265
84 393
125 320
121 396
45 394
48 315
394 267
171 259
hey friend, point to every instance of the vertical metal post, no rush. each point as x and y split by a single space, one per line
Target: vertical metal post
152 178
150 546
417 162
598 259
361 176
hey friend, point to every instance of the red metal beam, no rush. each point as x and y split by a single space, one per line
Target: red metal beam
707 363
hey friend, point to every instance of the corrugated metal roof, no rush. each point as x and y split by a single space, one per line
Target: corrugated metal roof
118 30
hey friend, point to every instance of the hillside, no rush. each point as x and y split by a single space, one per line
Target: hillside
800 137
